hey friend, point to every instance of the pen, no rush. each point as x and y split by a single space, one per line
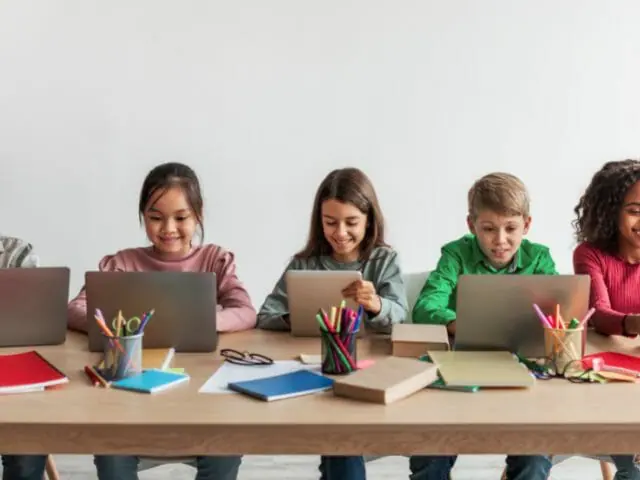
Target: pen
92 377
145 320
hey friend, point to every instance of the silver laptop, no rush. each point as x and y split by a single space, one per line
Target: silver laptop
184 304
310 290
33 306
495 312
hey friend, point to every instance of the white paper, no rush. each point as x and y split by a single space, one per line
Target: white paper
230 372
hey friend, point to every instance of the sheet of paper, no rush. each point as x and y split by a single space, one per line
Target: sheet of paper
229 372
309 359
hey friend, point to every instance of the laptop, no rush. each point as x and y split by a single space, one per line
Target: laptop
495 312
184 304
310 290
33 306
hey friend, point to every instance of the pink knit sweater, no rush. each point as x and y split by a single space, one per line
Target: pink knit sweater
235 311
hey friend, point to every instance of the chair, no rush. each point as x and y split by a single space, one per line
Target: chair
413 283
51 472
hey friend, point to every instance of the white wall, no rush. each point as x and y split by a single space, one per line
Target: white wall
263 98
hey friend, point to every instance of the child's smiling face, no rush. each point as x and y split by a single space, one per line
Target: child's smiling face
170 223
629 221
499 236
344 227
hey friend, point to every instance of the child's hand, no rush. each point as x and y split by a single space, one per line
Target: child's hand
632 324
364 293
451 328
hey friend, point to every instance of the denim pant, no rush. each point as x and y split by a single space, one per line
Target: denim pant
626 469
23 467
122 467
342 468
519 467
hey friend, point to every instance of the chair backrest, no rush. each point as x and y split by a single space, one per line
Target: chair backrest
413 283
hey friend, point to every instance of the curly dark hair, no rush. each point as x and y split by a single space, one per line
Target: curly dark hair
599 207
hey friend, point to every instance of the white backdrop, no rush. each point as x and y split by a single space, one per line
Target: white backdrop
264 97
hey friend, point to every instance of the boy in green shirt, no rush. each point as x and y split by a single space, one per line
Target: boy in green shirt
498 219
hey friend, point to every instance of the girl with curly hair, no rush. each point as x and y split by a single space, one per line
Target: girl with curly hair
607 226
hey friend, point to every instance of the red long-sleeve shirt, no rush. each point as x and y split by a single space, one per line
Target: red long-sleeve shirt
615 287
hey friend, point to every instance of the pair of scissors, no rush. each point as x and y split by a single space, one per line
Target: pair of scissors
245 358
130 326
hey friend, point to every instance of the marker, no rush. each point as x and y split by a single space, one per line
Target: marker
167 360
543 319
586 318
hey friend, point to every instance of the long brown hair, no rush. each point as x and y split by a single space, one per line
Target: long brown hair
347 185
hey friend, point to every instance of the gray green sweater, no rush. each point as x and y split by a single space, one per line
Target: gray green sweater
382 269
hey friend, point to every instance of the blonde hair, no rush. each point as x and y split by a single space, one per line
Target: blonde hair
501 193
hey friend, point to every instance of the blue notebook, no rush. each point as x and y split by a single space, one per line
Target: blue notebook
151 381
294 384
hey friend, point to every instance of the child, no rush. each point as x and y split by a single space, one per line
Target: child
498 218
171 208
608 229
16 253
346 233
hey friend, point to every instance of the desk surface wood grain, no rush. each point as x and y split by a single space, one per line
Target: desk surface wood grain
554 416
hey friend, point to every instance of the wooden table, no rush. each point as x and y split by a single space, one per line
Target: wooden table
555 416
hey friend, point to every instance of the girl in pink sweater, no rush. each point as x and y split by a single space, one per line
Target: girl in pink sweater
171 208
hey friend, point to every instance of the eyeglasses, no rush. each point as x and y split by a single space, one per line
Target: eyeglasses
245 358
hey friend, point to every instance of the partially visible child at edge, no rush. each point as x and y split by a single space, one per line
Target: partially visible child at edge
171 208
498 219
17 253
346 233
607 227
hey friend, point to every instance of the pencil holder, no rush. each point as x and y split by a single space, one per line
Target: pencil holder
122 356
338 352
563 346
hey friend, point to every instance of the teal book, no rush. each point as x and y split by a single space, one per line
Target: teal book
151 381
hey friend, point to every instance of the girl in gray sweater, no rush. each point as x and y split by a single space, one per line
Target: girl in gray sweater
346 233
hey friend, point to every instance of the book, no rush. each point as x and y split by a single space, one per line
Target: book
151 381
28 371
413 340
485 369
288 385
389 380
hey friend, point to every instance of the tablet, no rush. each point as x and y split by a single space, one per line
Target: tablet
310 290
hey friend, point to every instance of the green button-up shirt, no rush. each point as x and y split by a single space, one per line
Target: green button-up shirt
437 300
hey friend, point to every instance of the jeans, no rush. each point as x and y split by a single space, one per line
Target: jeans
122 467
342 468
23 467
519 467
626 468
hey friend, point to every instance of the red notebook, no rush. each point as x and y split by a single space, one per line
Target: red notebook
28 371
613 359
